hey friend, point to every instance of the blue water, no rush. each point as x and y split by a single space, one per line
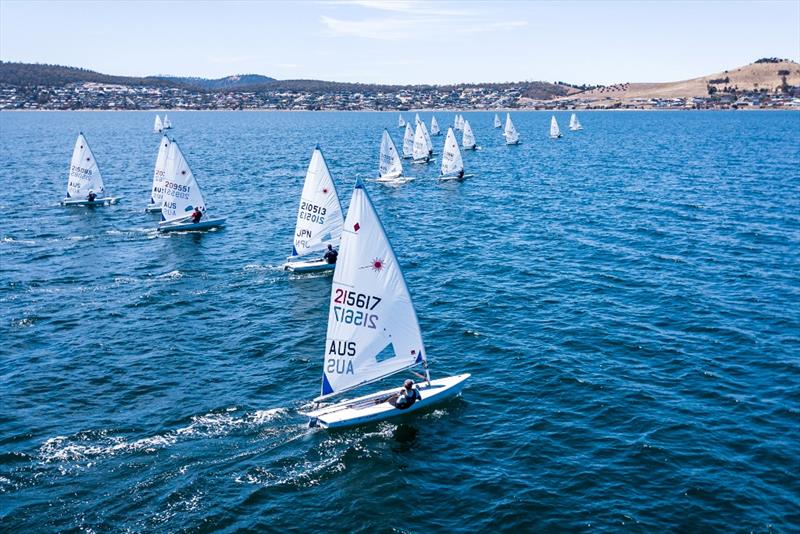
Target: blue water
627 299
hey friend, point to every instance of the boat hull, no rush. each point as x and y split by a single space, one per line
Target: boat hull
105 201
455 178
310 266
153 208
374 407
394 180
191 227
511 143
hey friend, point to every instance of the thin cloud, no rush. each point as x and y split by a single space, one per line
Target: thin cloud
389 29
409 7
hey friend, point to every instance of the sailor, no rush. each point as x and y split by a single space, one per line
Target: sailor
91 196
331 255
461 174
196 215
408 395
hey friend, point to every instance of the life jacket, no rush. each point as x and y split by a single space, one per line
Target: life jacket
404 401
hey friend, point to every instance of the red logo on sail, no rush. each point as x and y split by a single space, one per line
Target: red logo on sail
356 227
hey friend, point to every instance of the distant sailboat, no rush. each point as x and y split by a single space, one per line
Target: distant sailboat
408 142
420 149
401 122
452 162
181 196
468 139
497 122
159 173
167 124
319 219
509 132
458 123
555 133
427 137
390 167
158 126
435 127
84 180
373 331
574 125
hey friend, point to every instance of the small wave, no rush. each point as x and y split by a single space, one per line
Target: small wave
10 240
25 322
172 275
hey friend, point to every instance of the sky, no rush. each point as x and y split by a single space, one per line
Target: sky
403 41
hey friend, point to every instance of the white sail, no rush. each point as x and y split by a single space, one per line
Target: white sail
373 331
319 217
84 174
452 163
420 149
181 191
160 172
468 139
497 122
408 142
157 125
417 120
434 126
509 132
554 131
390 164
401 121
427 137
574 124
167 124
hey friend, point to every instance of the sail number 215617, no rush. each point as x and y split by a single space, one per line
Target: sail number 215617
348 299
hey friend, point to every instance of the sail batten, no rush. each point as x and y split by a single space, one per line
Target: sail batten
371 312
319 216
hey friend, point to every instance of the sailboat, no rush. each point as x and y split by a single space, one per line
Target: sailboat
509 132
457 122
160 172
373 331
497 122
390 167
158 126
84 178
181 196
408 142
468 138
435 127
420 149
555 133
401 122
319 219
574 125
167 124
452 163
427 137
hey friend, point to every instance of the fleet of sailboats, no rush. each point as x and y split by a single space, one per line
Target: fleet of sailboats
85 185
373 331
319 219
182 197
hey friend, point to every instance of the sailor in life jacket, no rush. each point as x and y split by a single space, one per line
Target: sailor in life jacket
407 396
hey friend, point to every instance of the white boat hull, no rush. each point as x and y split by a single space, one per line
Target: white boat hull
152 208
105 201
509 143
455 178
394 180
190 227
555 136
374 407
308 266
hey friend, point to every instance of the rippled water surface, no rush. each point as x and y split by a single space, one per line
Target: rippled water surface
627 299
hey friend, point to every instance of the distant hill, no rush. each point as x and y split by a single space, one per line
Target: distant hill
765 74
36 74
227 83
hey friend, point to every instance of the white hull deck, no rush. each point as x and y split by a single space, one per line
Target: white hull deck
105 201
555 136
308 266
511 143
153 208
455 178
394 180
191 227
374 407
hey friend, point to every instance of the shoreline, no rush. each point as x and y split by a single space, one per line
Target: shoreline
421 110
